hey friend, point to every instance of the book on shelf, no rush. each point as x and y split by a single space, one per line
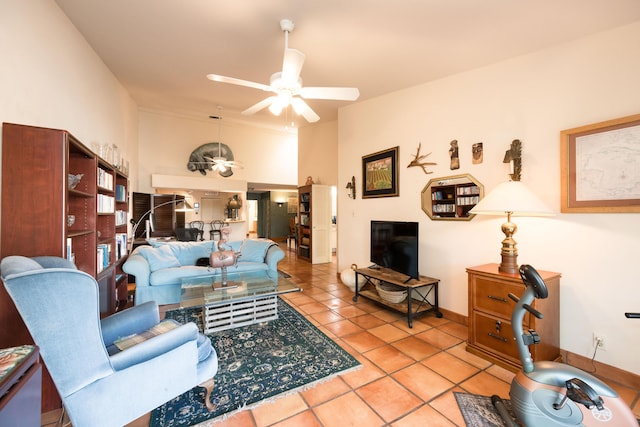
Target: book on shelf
105 179
106 204
103 253
121 193
121 218
121 245
70 256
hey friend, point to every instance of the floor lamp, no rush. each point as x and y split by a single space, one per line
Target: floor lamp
149 223
511 198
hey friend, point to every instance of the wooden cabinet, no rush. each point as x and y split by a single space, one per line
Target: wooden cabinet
43 214
490 308
20 386
314 223
121 226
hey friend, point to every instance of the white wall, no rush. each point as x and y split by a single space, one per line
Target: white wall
51 77
318 148
531 98
167 140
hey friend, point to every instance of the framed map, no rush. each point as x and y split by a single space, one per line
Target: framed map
600 167
380 174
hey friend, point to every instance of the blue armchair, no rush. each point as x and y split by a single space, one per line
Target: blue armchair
101 385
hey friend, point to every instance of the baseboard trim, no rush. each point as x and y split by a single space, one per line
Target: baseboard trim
605 372
453 316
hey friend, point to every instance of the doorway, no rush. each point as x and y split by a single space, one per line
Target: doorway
252 218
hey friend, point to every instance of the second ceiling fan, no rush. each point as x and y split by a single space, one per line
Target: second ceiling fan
287 85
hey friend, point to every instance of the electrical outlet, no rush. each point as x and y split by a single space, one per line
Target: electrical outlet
598 341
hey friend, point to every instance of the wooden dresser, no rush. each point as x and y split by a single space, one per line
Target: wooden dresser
490 308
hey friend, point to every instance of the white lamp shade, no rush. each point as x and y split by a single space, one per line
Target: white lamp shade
514 197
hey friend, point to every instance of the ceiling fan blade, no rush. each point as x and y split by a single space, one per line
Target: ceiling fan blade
335 93
302 108
259 106
292 66
239 82
222 161
234 164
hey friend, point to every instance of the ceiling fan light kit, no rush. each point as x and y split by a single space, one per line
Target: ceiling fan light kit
287 85
207 158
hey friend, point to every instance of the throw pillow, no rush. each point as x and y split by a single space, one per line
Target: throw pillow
254 250
160 257
188 253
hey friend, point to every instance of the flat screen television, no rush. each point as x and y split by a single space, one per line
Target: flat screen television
394 245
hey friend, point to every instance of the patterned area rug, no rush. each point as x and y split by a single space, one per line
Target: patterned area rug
478 411
256 364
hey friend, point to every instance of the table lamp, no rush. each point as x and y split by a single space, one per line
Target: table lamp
512 198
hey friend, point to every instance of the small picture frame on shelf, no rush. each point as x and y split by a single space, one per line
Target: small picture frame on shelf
380 174
597 172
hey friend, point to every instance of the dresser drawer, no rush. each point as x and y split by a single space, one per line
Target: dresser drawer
495 334
493 297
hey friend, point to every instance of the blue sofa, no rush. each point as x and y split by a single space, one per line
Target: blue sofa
160 266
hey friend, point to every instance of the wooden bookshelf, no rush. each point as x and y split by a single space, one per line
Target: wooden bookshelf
43 215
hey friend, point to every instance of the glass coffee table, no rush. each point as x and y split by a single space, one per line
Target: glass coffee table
248 298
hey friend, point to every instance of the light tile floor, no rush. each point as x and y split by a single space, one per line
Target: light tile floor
408 375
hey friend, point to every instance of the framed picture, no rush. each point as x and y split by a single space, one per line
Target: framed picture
380 174
600 167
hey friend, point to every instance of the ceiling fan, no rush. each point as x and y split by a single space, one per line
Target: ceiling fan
214 156
222 162
287 85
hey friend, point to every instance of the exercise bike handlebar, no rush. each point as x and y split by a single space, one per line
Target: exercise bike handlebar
527 307
535 288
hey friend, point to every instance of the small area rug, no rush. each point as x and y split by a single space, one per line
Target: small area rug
256 364
478 411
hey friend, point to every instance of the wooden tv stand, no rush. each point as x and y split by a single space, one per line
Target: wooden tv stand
368 290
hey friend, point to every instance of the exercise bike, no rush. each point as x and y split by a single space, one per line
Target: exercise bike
550 393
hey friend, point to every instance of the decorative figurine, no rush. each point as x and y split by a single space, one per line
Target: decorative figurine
453 153
223 258
477 155
513 156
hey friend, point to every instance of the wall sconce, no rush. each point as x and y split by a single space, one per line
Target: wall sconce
513 156
351 188
280 204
